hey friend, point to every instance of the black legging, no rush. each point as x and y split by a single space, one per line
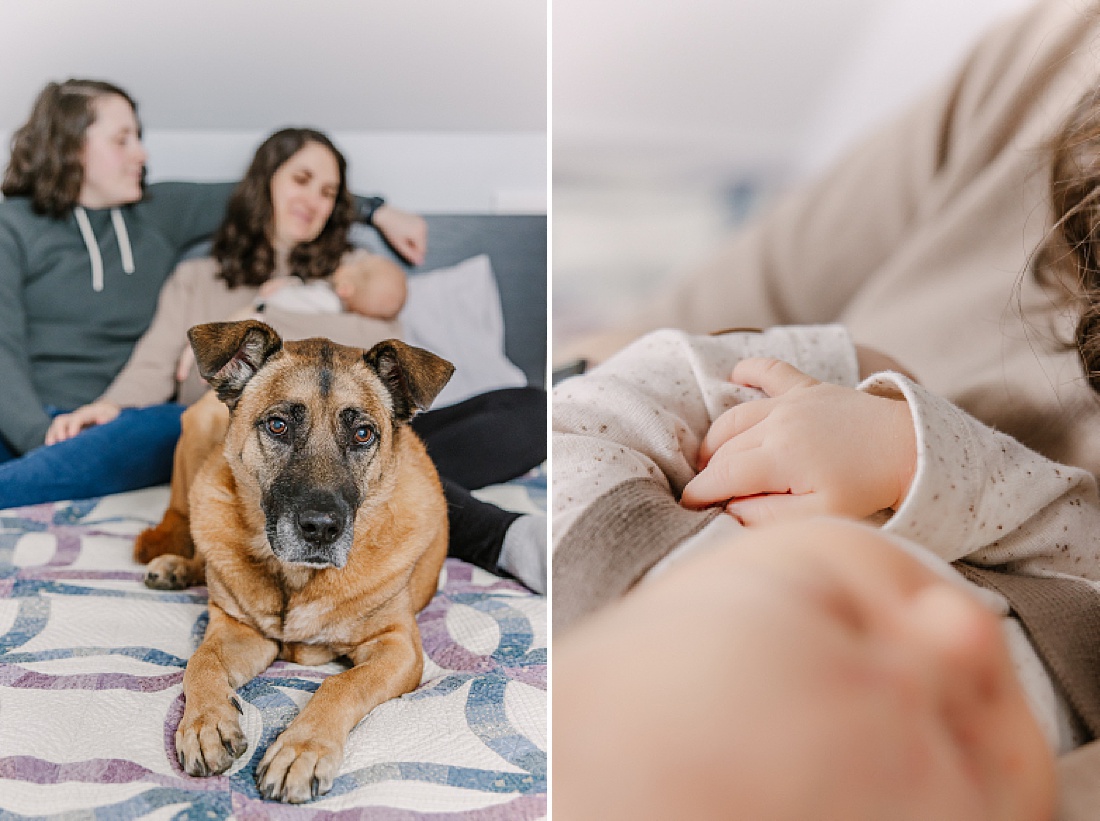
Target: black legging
489 438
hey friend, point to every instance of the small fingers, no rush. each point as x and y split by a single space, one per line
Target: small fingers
53 432
733 473
71 427
775 507
730 425
773 376
63 427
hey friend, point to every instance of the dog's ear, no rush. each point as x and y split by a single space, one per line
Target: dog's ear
229 354
413 376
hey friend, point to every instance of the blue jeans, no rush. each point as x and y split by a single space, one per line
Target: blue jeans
133 451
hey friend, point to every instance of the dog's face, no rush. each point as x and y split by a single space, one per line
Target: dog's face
314 428
317 438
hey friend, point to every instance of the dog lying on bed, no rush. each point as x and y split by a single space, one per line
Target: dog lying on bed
321 528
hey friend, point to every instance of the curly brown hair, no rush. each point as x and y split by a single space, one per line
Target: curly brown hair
1068 259
46 151
242 244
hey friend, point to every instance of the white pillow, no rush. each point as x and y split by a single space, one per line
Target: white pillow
455 312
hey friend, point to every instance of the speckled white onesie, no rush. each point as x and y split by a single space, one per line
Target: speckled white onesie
625 438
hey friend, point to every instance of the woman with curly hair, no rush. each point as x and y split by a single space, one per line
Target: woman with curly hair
85 247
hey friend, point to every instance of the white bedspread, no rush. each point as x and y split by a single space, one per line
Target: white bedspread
91 665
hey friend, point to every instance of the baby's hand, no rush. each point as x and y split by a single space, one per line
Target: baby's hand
811 448
68 425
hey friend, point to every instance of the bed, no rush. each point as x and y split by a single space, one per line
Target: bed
91 661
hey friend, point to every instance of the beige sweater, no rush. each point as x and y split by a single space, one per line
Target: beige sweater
919 240
193 295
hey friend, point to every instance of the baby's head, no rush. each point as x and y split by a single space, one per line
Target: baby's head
812 670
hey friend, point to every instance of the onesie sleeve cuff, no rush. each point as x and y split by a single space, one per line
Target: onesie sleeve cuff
940 505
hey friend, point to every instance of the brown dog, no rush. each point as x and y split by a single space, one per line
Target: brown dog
322 527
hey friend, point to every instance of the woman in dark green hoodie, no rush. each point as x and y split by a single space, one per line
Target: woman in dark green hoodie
84 249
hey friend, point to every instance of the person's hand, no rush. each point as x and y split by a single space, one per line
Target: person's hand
185 364
68 425
810 448
407 233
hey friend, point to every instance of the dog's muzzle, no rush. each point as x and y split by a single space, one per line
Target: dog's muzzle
314 529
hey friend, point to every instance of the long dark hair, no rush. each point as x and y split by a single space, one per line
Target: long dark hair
1069 256
242 244
46 151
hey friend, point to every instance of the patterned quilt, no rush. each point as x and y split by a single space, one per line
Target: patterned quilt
91 669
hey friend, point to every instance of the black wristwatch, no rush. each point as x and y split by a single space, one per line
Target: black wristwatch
367 207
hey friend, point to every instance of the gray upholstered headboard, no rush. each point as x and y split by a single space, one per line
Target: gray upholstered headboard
516 245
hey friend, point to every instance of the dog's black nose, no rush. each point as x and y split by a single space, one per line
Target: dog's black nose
320 525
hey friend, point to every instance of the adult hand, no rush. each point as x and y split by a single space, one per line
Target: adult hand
810 448
185 364
407 233
68 425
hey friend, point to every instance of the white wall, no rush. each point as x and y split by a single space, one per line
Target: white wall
665 91
670 90
440 106
905 47
423 171
672 119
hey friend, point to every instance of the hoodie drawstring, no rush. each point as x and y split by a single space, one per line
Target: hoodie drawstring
123 237
92 246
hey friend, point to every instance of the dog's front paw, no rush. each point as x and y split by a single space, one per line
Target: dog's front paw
296 768
209 740
170 573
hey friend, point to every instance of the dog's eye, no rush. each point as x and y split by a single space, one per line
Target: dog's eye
277 426
364 435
